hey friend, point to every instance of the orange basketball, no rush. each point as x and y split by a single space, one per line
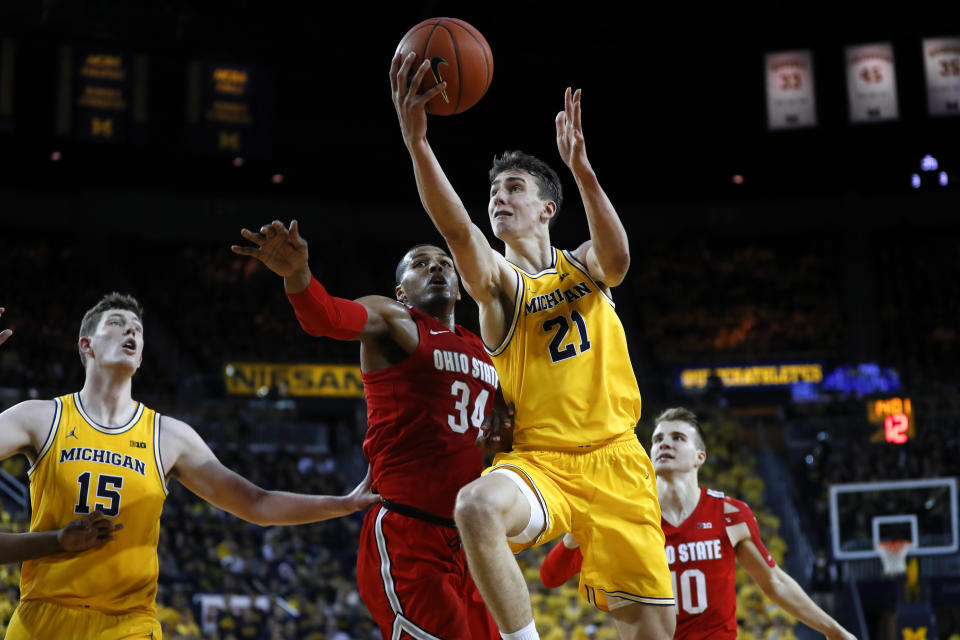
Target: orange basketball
459 54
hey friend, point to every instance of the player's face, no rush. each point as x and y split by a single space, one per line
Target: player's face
515 207
429 278
674 447
118 339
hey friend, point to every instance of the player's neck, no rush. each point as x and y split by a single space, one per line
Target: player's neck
444 314
531 253
679 494
107 397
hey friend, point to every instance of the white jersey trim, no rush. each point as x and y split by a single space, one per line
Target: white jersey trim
550 269
108 430
51 436
514 323
156 453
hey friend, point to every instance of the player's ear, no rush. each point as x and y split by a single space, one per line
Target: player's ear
700 458
400 293
548 211
85 347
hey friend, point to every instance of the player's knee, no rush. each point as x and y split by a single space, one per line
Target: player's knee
477 507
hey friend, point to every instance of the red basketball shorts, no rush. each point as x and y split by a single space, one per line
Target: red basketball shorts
412 575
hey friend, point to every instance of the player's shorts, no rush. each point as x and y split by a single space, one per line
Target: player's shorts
412 575
34 620
607 498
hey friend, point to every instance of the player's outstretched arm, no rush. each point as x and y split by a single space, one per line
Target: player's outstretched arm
84 533
199 470
784 590
607 254
474 257
285 252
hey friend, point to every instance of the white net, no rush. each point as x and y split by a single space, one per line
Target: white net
893 555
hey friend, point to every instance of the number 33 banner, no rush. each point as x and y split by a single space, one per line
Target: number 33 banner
790 99
871 83
941 59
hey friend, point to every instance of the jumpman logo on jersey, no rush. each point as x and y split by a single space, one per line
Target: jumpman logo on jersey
73 434
563 275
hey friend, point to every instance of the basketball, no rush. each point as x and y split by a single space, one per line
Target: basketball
459 55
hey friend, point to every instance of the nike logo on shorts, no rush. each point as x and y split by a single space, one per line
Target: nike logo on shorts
436 333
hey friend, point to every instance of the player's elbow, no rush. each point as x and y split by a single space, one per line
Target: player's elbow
256 508
615 268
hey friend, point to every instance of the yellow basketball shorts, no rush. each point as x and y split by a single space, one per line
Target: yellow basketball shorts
34 620
607 498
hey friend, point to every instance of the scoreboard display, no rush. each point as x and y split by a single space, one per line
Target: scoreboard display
894 416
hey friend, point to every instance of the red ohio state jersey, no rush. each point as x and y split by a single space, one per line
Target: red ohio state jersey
423 415
703 566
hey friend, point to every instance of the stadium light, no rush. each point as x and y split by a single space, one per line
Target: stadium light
943 179
915 180
928 163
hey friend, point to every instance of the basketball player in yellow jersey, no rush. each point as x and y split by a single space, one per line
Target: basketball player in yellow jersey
101 450
548 320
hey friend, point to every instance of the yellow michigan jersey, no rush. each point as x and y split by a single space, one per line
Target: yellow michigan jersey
116 470
564 362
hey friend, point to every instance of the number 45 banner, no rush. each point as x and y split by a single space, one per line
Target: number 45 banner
941 60
871 83
790 99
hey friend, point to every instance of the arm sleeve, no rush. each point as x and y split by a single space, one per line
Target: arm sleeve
560 565
320 314
744 514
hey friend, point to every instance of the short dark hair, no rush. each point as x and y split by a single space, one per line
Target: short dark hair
682 414
401 267
112 300
548 182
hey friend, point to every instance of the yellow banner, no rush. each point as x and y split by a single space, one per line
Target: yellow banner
316 380
776 375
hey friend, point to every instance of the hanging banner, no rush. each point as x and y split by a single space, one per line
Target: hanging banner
228 108
102 94
871 83
941 61
790 99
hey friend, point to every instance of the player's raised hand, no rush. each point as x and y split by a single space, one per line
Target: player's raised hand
282 250
496 432
6 333
570 141
86 532
410 103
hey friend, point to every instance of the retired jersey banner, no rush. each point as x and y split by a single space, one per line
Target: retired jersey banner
790 98
871 83
318 380
941 60
228 108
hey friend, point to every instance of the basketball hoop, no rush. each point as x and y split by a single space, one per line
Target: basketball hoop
893 555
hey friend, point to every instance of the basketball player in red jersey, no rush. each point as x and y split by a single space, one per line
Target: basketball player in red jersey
427 382
707 532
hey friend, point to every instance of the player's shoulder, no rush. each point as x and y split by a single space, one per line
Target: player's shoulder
732 505
29 412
